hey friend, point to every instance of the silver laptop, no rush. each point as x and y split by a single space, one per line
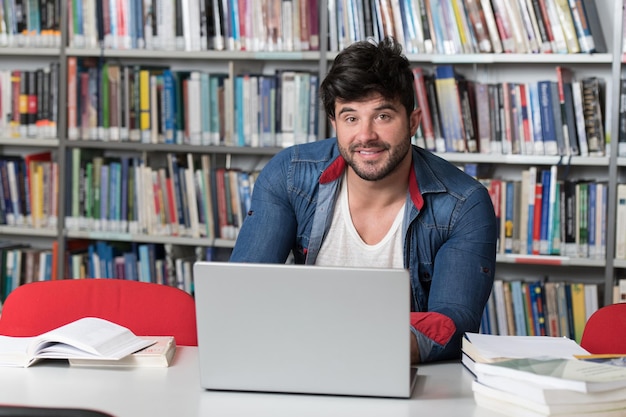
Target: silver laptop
303 329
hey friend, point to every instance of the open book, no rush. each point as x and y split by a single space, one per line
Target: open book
89 337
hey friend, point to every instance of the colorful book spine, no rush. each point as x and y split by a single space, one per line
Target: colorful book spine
450 108
548 126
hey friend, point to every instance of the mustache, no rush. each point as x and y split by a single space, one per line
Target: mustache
369 145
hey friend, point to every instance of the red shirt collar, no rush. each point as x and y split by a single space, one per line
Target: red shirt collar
336 168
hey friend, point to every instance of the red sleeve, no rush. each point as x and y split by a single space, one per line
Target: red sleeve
435 326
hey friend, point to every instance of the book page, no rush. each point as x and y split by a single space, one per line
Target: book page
491 346
13 350
89 336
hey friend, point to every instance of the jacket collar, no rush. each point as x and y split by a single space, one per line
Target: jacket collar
336 168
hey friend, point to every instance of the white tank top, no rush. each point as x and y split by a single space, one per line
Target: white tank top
344 247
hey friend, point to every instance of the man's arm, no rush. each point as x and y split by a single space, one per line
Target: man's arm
268 231
462 276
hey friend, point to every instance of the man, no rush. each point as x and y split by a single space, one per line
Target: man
369 198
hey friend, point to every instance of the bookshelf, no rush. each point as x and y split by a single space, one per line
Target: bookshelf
479 67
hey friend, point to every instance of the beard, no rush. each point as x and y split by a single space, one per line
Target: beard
376 170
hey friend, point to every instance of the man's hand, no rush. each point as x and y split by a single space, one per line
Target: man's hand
415 352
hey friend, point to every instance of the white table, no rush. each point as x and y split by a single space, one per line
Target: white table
442 389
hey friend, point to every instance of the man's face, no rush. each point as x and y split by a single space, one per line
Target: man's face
374 134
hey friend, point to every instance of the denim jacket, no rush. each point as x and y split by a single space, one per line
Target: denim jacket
450 233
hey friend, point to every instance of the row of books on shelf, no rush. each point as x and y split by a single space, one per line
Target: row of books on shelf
29 102
28 23
182 196
148 262
470 26
563 116
537 308
195 25
29 190
185 195
422 26
20 263
542 214
111 102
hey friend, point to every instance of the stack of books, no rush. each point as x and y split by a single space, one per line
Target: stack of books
551 386
533 376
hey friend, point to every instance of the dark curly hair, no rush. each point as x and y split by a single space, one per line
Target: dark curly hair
365 68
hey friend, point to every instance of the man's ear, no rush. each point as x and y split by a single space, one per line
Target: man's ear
414 120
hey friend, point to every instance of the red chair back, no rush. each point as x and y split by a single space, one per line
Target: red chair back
147 309
605 331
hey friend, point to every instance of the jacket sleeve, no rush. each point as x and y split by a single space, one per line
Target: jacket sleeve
462 278
433 331
268 231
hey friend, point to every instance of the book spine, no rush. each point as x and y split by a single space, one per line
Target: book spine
449 104
422 101
578 309
529 314
620 222
526 126
545 33
433 106
518 308
156 101
205 108
560 41
553 235
570 128
483 117
144 105
530 26
509 220
567 24
105 104
169 106
124 103
545 247
592 198
583 32
504 26
480 31
548 127
495 123
114 88
562 146
468 106
592 112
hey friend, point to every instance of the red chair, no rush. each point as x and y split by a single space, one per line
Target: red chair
605 331
146 309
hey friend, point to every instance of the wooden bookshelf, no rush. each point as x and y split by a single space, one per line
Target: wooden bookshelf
478 67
